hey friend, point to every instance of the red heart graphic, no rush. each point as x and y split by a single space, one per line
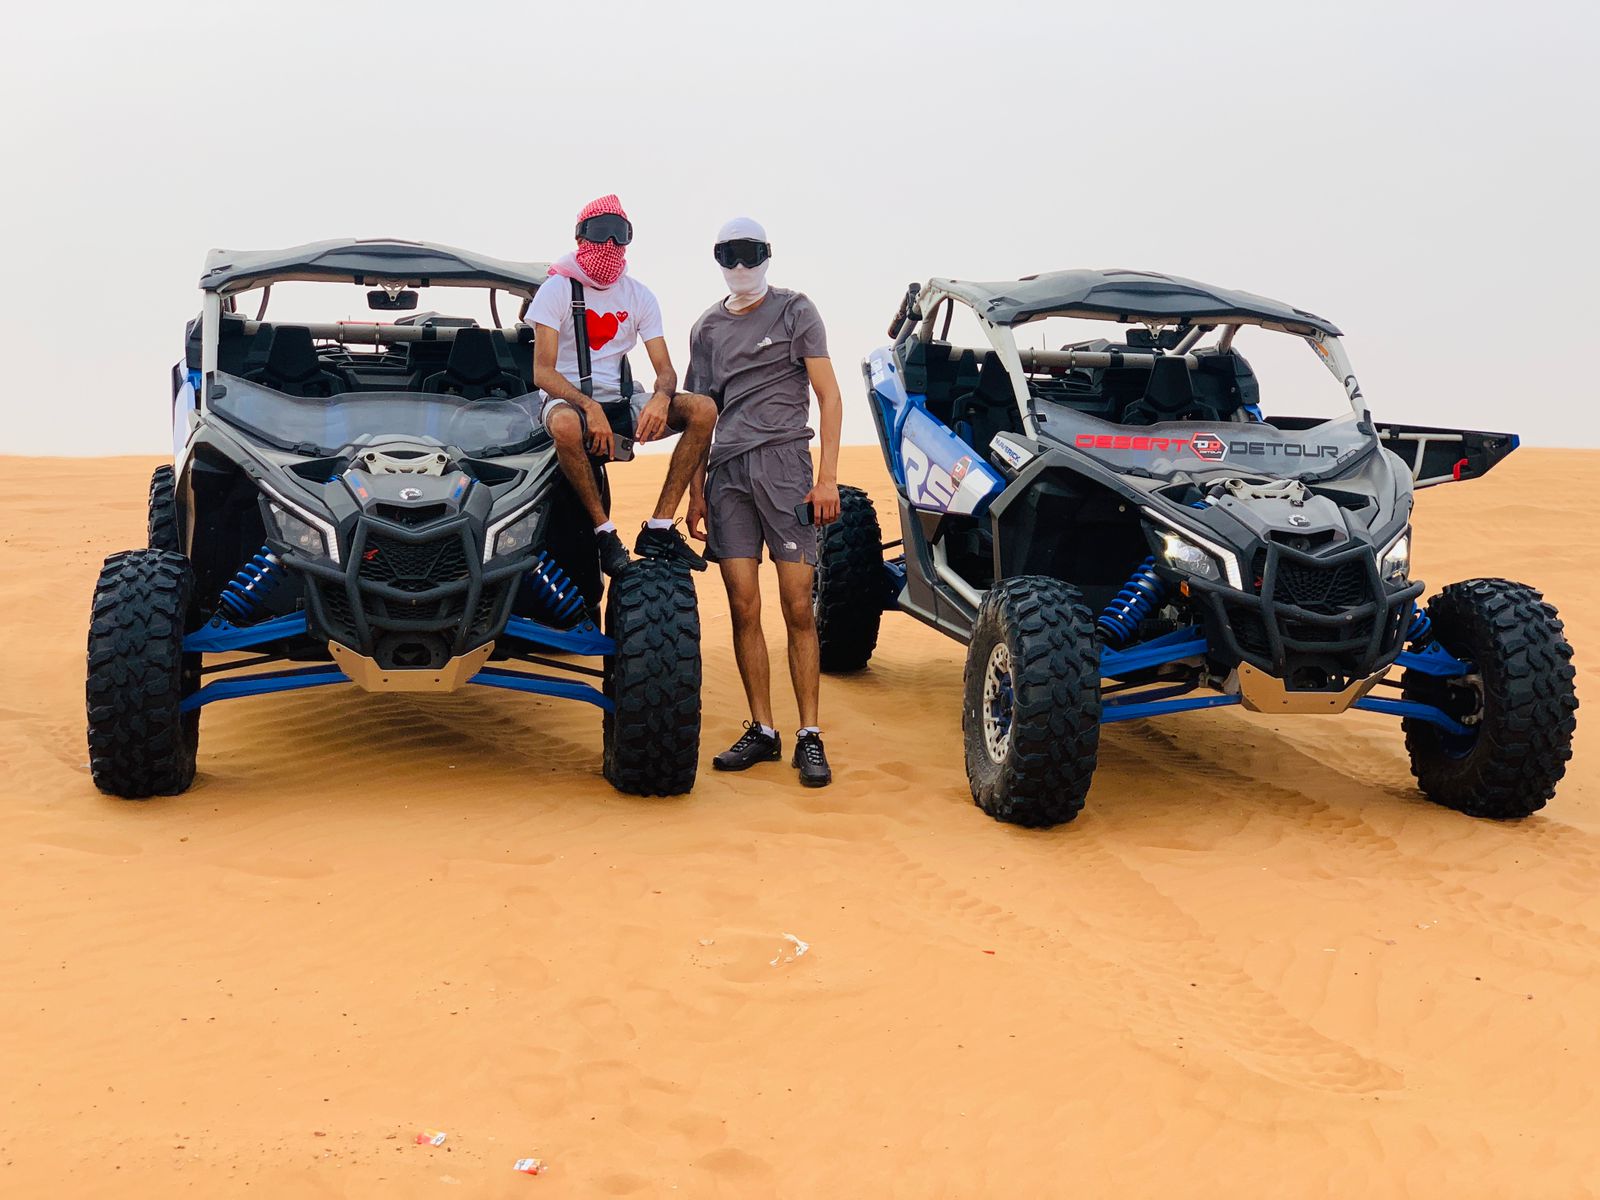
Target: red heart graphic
603 327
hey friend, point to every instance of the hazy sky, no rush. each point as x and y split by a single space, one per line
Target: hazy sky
1423 174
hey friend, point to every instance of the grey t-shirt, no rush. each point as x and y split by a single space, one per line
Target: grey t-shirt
753 364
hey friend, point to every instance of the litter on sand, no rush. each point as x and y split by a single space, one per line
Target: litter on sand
431 1137
530 1166
799 949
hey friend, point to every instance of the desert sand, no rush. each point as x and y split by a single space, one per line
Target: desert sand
1259 964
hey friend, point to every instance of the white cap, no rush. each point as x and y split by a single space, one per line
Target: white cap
741 227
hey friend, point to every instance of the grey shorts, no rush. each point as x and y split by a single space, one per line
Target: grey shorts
750 502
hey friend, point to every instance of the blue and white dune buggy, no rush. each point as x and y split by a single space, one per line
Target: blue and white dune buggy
1116 531
377 503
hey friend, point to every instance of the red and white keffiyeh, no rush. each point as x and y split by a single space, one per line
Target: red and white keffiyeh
597 264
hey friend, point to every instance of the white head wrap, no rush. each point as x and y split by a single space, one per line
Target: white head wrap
746 285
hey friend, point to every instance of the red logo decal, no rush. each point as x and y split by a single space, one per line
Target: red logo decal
603 327
369 555
1208 446
959 471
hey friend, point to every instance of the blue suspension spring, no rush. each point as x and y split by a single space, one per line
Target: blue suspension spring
1421 631
243 594
1136 601
557 594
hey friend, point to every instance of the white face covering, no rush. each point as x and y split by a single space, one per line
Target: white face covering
746 285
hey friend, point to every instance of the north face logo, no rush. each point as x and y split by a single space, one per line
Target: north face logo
1208 446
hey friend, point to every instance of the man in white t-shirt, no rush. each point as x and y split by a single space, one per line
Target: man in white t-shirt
619 311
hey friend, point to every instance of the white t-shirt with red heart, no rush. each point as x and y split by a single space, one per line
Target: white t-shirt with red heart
619 316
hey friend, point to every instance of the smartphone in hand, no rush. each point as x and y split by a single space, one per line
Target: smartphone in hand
805 513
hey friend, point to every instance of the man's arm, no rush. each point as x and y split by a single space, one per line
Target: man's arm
824 494
695 519
653 420
554 384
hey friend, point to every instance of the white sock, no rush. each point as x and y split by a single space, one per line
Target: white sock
768 730
809 729
658 523
608 527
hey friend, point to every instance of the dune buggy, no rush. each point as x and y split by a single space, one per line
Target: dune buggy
377 505
1117 531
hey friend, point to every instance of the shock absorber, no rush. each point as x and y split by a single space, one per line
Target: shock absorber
1136 601
242 595
557 595
1421 631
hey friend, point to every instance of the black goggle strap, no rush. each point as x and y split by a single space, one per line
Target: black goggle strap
580 339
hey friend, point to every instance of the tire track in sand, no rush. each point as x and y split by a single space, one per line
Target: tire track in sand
1167 981
1348 847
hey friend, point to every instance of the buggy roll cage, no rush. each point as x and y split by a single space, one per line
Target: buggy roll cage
999 313
389 263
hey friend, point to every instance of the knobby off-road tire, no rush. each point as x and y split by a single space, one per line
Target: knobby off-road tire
847 592
652 736
140 743
1525 704
1035 638
163 512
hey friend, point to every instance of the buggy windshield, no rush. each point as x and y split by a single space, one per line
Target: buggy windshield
328 425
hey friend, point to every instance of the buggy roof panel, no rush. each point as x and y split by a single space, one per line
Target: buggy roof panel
345 260
1120 294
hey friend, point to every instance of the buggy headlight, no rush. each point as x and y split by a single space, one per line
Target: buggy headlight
296 532
1395 565
518 535
1181 554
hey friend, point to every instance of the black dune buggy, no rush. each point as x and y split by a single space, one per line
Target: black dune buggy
377 505
1117 531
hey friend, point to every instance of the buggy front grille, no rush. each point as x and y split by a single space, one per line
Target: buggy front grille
413 566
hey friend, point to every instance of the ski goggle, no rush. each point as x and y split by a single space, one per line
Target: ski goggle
606 227
742 252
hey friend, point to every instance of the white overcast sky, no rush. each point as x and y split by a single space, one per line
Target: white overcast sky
1423 174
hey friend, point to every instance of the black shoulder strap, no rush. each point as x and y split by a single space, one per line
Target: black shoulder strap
580 338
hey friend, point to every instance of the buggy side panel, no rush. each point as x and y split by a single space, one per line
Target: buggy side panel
934 469
1445 455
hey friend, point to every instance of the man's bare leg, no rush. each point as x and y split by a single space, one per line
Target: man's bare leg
794 593
693 417
741 576
566 429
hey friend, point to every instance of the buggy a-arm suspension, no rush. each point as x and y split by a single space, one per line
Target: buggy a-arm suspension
221 637
1191 643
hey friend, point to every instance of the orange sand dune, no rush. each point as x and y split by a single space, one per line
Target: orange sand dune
1259 964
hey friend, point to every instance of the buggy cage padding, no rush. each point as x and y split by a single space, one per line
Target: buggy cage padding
347 260
1127 295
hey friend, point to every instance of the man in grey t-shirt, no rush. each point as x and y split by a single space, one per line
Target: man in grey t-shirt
759 353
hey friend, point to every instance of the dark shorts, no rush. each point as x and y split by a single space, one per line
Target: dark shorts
750 502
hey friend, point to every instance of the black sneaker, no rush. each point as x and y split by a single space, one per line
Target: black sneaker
812 760
614 558
668 544
754 746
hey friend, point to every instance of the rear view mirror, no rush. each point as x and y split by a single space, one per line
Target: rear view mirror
383 301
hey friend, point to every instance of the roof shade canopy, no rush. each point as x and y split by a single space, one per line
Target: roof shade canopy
1128 296
370 262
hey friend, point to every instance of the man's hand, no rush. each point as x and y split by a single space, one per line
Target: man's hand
824 499
696 519
652 423
600 435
